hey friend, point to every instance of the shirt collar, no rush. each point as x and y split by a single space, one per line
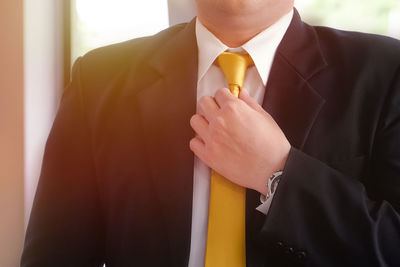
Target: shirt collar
261 47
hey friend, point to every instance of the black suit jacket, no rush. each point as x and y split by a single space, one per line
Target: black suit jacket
117 178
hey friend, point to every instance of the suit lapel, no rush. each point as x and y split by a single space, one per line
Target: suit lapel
166 105
294 104
290 98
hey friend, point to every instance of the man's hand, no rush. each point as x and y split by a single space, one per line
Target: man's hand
237 138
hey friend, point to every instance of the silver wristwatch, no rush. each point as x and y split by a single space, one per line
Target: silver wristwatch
272 185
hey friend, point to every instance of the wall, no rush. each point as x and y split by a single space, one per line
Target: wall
43 63
30 86
11 132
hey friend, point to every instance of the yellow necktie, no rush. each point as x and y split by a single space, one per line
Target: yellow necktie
226 237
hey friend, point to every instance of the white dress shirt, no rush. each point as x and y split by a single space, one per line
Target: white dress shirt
262 49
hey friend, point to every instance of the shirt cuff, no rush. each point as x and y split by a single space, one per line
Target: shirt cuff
264 207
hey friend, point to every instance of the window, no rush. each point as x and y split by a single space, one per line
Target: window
97 23
381 17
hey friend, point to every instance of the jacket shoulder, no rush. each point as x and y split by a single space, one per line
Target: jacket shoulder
112 59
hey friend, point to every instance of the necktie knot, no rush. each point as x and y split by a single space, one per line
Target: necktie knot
234 67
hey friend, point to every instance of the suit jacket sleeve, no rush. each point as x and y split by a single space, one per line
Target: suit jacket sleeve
65 227
321 217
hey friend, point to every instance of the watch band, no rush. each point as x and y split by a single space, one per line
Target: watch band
272 185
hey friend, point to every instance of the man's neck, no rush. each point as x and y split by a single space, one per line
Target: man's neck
234 32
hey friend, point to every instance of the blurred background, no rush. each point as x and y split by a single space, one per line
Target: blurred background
42 38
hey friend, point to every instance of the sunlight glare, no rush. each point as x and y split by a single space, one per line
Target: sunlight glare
139 17
102 22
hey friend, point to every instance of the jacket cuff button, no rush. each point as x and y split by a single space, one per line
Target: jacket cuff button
289 250
301 255
279 245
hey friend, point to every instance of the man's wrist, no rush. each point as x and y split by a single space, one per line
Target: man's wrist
263 187
268 182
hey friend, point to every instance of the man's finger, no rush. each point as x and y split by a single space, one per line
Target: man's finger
207 107
223 96
198 147
244 95
200 126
